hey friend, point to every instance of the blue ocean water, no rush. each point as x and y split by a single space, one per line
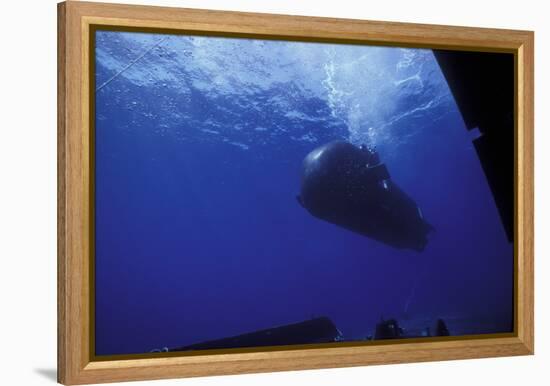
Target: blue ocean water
199 145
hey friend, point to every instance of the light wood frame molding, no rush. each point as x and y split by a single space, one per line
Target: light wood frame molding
76 365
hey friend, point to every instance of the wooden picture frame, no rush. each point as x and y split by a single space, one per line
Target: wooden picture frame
76 364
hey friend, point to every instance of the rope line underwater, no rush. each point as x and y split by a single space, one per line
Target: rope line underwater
158 43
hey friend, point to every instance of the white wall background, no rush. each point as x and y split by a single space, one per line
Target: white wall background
28 190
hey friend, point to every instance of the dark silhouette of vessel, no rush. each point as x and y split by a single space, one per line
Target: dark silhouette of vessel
348 186
317 330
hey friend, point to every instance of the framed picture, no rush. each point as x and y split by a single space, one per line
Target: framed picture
249 192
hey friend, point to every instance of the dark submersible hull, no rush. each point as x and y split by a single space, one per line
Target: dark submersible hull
318 330
347 186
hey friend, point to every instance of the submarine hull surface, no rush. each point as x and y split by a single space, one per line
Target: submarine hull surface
318 330
347 186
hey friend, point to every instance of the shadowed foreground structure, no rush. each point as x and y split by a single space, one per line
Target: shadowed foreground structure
318 330
482 84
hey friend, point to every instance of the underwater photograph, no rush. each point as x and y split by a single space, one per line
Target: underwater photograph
269 193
